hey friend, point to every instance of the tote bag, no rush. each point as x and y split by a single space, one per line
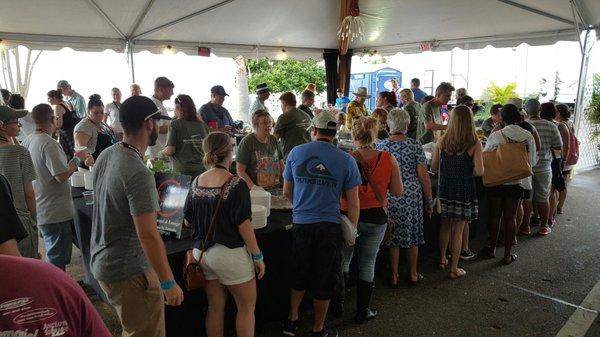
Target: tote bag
509 162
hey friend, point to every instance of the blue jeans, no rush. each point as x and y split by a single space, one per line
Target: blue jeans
369 239
57 240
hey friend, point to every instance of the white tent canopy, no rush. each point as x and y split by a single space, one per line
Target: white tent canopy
303 28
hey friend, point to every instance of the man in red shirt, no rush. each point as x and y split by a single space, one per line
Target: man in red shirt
38 299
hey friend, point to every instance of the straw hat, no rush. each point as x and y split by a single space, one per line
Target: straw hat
362 92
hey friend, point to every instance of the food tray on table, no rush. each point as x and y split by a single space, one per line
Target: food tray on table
278 201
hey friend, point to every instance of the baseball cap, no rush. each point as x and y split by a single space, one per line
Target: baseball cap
218 90
62 84
262 87
325 120
7 113
138 109
532 105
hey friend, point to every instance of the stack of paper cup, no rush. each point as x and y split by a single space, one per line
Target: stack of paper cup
89 183
261 197
77 179
259 216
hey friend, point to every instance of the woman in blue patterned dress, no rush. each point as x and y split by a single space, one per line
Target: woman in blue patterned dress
457 157
407 210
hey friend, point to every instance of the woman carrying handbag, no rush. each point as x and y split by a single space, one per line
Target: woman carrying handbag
218 209
380 174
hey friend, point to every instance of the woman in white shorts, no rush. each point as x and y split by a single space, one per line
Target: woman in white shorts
232 257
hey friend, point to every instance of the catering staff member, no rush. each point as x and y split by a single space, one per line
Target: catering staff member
91 133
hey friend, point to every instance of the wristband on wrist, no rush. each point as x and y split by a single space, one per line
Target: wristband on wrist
76 161
258 257
167 285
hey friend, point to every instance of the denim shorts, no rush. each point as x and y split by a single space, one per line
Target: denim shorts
57 241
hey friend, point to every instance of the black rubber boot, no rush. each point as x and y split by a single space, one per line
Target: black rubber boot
364 291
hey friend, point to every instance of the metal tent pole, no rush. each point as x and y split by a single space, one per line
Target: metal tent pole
579 108
129 49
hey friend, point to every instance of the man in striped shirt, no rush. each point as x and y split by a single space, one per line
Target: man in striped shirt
542 171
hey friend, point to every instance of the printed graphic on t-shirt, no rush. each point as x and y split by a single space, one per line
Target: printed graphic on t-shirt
314 172
267 169
20 317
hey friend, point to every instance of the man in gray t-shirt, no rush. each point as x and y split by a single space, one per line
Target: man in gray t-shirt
430 119
123 186
126 249
52 190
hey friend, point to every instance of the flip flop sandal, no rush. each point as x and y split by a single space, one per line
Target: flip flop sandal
456 275
420 279
526 232
442 266
513 258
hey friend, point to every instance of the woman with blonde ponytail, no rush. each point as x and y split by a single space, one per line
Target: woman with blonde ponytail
232 257
380 174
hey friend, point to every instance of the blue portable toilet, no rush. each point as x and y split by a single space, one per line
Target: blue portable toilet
375 82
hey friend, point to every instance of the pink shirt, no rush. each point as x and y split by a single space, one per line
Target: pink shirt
38 299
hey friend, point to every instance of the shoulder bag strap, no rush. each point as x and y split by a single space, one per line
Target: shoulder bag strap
214 217
373 185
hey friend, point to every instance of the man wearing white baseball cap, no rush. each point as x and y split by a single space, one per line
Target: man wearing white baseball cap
316 174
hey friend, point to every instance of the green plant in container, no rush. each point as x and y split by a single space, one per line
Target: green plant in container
497 94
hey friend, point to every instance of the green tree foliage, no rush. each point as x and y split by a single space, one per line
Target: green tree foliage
496 94
594 109
285 75
593 113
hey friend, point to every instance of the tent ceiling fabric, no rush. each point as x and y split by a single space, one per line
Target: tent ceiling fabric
304 28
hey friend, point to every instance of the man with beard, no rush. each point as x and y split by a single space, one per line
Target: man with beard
128 256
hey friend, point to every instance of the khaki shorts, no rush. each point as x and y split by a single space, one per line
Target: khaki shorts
541 186
229 266
140 305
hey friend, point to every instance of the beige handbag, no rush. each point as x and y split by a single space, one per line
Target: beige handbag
509 162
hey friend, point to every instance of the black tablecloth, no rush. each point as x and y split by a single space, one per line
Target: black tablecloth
188 319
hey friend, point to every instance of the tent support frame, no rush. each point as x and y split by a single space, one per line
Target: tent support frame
183 18
108 20
141 17
581 85
537 11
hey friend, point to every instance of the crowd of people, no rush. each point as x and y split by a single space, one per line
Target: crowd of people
382 188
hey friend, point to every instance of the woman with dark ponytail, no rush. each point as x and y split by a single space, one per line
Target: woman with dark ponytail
91 134
66 119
